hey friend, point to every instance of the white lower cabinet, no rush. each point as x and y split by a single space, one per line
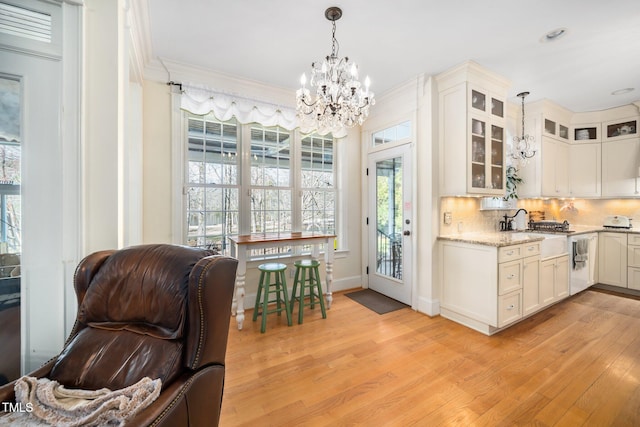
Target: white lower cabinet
509 308
554 279
531 301
633 261
561 278
487 288
612 259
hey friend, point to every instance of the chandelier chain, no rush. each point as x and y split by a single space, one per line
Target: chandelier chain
335 46
522 149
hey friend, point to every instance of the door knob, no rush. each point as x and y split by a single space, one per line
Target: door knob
406 233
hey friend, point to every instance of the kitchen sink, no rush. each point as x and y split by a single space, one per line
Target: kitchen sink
552 245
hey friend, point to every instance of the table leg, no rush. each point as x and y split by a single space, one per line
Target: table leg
237 307
328 265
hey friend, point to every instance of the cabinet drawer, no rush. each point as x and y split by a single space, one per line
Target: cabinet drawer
509 253
509 308
531 249
634 239
509 276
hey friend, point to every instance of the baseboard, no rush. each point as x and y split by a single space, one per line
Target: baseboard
346 283
430 307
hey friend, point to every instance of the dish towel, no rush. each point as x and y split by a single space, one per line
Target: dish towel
580 253
50 403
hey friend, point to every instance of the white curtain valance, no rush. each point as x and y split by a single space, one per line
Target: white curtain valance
203 101
199 100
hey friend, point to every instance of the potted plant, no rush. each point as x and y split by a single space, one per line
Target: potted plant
512 183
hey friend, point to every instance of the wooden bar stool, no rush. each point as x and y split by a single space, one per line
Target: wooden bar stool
310 281
266 287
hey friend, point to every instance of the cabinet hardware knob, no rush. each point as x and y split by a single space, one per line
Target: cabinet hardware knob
511 307
511 276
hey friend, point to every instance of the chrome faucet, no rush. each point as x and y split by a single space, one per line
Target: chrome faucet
507 223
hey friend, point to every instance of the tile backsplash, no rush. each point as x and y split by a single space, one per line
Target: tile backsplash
466 215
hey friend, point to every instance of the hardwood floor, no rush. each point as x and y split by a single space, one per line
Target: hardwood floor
577 363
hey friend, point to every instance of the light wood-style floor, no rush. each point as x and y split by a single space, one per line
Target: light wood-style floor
577 363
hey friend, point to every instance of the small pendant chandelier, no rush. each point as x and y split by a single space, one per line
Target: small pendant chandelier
336 100
523 149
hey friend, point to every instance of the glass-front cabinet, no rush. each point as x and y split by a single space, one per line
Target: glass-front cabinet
487 144
471 131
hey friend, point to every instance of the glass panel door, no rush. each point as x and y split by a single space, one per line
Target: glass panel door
497 157
390 217
478 154
10 227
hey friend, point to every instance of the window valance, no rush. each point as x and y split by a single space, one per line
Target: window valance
202 101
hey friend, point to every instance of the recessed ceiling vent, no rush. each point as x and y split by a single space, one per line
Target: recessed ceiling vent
25 23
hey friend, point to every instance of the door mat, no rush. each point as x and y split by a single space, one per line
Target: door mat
375 301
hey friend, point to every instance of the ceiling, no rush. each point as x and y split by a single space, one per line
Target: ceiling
275 41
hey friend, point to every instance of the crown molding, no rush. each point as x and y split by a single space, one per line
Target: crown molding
140 52
166 70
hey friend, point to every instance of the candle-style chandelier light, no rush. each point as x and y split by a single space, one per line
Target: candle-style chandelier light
523 146
336 99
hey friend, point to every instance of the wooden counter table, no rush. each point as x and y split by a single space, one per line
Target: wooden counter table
241 245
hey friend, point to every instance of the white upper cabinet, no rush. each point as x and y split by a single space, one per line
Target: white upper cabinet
594 154
471 131
555 161
547 173
585 170
620 163
615 131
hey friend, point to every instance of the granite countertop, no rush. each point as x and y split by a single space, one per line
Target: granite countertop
508 238
497 239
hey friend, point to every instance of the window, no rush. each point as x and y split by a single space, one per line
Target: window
318 190
270 180
284 182
392 134
212 190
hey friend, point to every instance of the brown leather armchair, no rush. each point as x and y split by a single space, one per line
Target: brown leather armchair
157 311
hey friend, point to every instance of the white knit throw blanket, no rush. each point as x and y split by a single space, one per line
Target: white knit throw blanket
51 403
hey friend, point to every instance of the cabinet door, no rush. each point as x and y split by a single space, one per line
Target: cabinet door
633 256
530 284
547 275
496 159
487 171
634 278
479 181
620 167
612 259
585 169
561 283
555 168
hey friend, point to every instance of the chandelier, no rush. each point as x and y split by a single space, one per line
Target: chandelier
523 149
336 100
